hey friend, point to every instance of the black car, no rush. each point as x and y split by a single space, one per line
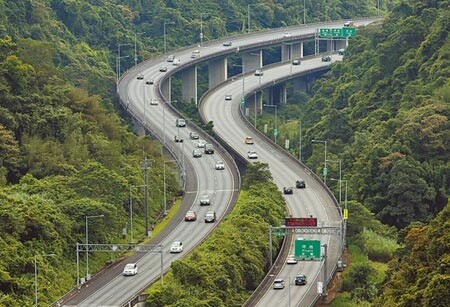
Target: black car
300 184
209 149
177 139
288 190
300 280
326 58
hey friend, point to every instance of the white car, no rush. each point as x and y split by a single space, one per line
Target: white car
259 72
228 97
251 154
278 284
130 269
154 102
201 144
176 247
287 34
291 260
220 165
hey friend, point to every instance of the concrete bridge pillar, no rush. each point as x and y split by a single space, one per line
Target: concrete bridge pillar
252 61
297 50
166 88
217 71
189 88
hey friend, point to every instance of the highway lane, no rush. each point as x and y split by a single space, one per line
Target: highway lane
220 185
313 200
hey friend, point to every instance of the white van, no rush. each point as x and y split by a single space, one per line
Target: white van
180 122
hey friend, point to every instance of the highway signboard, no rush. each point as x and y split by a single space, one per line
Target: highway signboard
301 221
307 249
337 32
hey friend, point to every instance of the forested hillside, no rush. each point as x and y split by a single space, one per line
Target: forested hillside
67 152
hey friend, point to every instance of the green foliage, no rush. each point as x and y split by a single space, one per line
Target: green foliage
377 247
233 260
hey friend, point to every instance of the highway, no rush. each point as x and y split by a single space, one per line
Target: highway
313 200
113 289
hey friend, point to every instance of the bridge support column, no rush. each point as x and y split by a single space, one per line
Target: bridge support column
252 61
189 88
297 51
166 88
286 52
217 72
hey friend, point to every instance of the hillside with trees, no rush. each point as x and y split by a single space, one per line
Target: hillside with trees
67 149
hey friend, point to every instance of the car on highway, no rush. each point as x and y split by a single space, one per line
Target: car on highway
287 34
140 77
300 280
348 23
291 260
228 97
190 216
227 44
300 184
251 154
326 58
296 62
278 284
288 190
197 153
210 216
153 102
176 247
249 140
178 139
341 51
176 62
204 200
259 72
193 135
163 69
170 58
220 165
209 148
130 269
180 122
150 81
201 143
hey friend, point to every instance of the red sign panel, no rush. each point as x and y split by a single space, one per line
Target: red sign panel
301 221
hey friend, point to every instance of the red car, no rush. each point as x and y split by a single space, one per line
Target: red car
190 216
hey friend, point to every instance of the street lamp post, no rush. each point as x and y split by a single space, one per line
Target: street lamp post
165 41
165 193
36 277
131 210
325 160
304 12
300 141
135 48
275 131
87 242
340 178
243 81
201 27
118 70
248 16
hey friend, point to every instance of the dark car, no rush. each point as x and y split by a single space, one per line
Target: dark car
288 190
163 69
300 184
177 139
140 76
209 149
300 280
326 58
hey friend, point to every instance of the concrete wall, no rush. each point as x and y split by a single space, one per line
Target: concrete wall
252 61
217 71
189 88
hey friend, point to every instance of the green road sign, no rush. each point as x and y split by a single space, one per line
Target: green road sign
307 249
275 132
280 234
325 32
337 32
348 32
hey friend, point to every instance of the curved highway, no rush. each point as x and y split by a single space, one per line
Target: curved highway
221 186
314 200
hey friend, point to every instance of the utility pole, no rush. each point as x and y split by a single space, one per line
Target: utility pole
145 168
